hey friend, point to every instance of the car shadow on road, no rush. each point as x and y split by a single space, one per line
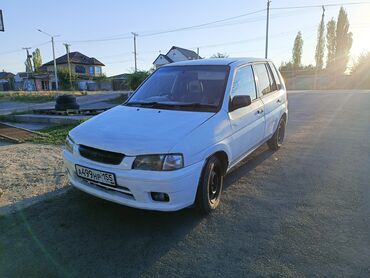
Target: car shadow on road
243 168
75 234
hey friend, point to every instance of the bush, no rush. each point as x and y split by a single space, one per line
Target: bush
63 79
135 79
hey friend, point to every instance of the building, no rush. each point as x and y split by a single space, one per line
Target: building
81 65
6 81
32 81
175 54
86 68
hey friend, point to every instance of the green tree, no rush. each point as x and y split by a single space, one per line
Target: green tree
135 79
297 50
63 79
343 40
36 59
362 64
360 71
330 43
319 53
220 55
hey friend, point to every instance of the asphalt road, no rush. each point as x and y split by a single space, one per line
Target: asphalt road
302 211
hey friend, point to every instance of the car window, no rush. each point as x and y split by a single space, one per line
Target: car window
272 78
244 83
196 88
263 79
275 73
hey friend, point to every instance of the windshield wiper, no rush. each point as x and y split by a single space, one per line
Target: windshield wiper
155 104
196 105
143 104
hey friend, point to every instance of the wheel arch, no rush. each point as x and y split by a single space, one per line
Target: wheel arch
224 159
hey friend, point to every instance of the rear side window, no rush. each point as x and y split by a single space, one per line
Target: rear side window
263 79
244 83
275 73
272 78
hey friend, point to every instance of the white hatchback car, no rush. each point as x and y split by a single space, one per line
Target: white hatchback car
171 143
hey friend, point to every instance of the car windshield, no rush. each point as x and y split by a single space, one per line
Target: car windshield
194 88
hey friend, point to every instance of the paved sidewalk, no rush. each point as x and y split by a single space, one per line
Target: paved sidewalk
88 101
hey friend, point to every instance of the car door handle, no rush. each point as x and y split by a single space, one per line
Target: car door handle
260 111
278 101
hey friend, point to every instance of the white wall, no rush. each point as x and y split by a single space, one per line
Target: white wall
176 55
160 62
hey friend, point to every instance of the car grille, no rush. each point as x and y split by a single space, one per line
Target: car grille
101 156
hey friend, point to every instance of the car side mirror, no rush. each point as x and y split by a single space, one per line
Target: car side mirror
239 102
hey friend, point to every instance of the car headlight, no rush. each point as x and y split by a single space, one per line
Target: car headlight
158 162
69 144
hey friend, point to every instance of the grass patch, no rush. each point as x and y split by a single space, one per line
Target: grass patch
55 135
35 97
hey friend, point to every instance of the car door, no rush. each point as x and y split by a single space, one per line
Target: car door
248 122
271 95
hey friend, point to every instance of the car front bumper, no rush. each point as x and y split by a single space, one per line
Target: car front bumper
135 186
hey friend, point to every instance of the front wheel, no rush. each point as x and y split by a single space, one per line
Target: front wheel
277 139
210 186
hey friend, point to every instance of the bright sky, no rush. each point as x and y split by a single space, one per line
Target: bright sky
80 20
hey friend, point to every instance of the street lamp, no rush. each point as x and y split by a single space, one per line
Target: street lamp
55 63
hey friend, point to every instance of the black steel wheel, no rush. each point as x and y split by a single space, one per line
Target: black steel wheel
278 138
210 186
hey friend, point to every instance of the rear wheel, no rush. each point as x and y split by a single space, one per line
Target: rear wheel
210 186
278 138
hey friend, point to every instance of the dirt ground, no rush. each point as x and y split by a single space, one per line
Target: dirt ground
28 172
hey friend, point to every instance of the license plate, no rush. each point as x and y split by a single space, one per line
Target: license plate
102 177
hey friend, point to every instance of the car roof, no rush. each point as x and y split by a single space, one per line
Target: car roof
218 62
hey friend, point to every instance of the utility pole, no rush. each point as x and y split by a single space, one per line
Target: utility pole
135 35
28 61
267 28
55 63
198 52
69 64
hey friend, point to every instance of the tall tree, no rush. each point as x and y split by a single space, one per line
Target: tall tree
319 54
297 50
330 43
343 40
37 60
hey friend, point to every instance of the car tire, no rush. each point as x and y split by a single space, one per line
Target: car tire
65 106
64 102
66 99
210 186
277 139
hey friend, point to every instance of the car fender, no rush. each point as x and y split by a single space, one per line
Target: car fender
210 137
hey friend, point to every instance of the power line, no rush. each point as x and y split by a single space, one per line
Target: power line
320 6
20 49
209 24
202 25
172 30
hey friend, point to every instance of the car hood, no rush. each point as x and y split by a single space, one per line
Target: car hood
134 131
